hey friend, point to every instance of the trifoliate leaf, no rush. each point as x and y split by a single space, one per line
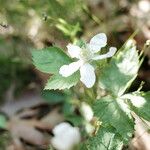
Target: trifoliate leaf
120 73
116 113
49 60
140 104
60 82
105 139
2 122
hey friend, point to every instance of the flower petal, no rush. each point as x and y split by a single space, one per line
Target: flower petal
74 50
68 70
87 75
97 42
112 51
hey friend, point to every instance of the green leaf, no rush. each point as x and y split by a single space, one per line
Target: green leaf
3 121
53 97
120 73
116 113
76 120
140 104
60 82
105 139
49 60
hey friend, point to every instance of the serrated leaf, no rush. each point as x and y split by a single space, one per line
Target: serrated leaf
105 139
60 82
49 60
3 122
120 73
116 113
140 104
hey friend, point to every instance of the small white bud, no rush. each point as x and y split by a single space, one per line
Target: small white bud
86 111
65 136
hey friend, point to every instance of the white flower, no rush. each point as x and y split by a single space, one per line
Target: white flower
65 136
85 55
87 111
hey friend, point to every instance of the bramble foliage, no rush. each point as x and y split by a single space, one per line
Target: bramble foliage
114 109
106 138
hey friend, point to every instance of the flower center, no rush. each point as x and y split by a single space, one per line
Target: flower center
86 55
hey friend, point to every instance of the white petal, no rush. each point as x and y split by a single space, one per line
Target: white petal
112 51
68 70
87 75
97 42
74 50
